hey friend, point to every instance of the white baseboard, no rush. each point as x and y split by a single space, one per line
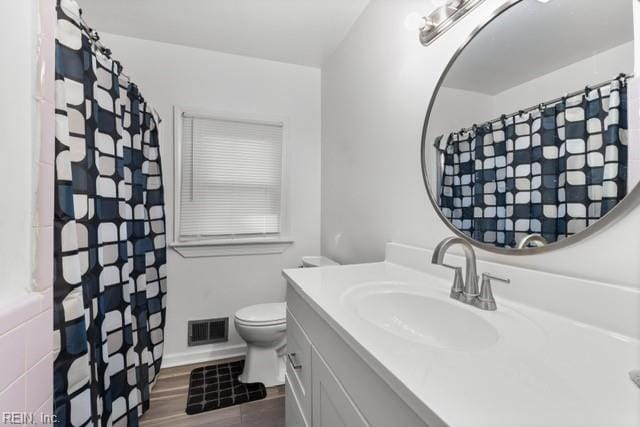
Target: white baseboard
205 355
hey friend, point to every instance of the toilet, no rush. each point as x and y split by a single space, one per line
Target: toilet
264 328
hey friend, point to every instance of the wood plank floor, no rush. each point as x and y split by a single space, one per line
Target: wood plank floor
169 400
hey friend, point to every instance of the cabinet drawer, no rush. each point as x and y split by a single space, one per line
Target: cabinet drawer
299 364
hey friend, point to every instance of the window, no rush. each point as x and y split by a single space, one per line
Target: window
230 180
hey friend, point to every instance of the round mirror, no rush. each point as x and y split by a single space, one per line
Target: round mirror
525 144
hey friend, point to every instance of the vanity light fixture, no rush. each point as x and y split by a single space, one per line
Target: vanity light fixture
417 21
414 21
444 17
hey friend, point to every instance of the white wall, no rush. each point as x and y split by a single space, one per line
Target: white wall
376 89
26 220
18 123
458 108
168 75
598 68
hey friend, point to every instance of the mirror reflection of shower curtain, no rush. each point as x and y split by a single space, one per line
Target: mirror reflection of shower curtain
553 171
109 237
440 146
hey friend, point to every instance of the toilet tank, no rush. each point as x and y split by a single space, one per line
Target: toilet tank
317 261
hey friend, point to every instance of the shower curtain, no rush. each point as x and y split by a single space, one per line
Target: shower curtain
553 171
109 239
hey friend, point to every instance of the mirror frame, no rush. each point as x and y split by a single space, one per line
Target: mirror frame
626 205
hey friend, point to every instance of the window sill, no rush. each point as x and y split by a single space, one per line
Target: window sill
231 247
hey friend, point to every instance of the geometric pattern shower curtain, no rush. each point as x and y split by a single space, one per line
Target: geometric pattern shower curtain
109 239
553 171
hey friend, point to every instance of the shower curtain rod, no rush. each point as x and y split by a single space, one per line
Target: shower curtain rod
624 76
94 37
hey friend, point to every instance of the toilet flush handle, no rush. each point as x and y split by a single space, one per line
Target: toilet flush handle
293 360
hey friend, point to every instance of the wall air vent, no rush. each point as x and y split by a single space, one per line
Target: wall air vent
208 331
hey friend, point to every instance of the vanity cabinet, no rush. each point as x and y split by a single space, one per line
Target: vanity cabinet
328 384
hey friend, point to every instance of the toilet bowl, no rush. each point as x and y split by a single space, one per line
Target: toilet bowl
263 327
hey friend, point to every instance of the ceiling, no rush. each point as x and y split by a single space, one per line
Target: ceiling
301 32
532 39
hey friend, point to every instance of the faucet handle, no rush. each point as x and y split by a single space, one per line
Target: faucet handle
485 300
491 276
458 284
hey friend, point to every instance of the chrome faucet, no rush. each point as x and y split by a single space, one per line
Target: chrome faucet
467 292
470 288
535 240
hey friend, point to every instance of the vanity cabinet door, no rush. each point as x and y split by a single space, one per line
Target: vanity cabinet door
332 406
299 365
292 409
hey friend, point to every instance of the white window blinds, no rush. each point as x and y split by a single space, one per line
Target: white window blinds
231 178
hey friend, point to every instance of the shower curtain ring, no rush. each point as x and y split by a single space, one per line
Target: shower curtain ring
93 34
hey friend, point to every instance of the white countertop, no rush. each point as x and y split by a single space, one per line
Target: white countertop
544 370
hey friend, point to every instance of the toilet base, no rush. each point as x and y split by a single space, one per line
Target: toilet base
264 365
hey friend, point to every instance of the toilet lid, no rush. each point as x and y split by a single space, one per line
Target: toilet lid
263 314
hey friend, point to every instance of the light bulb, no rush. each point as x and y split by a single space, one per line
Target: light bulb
414 21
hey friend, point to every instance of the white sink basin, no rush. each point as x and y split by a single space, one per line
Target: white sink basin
432 320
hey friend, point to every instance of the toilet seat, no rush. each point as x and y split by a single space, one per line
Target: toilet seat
258 324
262 314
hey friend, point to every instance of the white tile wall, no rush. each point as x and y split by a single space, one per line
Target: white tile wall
13 398
37 348
26 323
39 383
13 352
26 357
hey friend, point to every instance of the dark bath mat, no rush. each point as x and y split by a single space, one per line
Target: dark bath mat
217 386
